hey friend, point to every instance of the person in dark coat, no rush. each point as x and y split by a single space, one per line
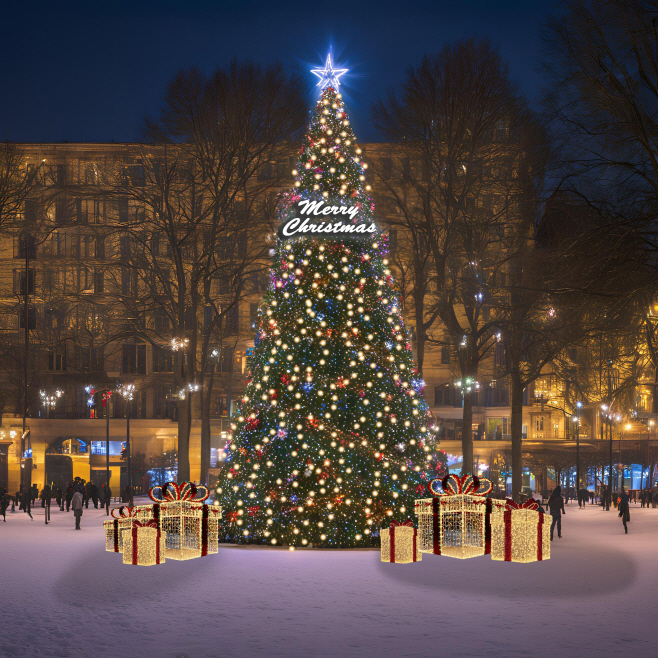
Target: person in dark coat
643 497
34 494
556 508
45 495
624 509
4 504
94 495
76 504
27 506
69 495
58 496
87 494
108 495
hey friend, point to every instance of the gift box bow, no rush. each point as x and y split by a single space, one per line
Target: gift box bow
452 485
145 524
123 512
397 524
529 504
170 492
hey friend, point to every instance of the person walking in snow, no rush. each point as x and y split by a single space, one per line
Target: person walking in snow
624 510
69 496
556 508
94 495
4 504
76 505
643 497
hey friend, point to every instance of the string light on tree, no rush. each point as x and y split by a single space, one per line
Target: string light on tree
331 440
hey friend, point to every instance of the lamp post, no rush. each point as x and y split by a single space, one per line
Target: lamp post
181 345
107 394
579 406
649 430
127 391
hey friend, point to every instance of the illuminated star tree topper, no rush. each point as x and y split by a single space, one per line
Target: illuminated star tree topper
329 75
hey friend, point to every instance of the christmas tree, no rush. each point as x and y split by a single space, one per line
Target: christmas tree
332 439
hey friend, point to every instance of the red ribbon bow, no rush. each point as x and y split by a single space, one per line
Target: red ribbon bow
468 484
171 492
409 523
123 512
529 504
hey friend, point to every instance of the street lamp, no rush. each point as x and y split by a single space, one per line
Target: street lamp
107 394
49 400
579 406
127 391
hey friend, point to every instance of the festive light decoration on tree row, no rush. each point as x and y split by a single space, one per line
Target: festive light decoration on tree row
332 436
457 521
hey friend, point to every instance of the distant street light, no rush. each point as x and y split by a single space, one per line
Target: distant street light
49 400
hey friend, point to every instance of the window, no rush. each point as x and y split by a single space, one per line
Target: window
99 247
125 247
61 212
133 359
88 359
58 244
226 247
128 282
226 360
31 317
56 360
498 429
253 314
163 402
99 212
163 360
445 355
208 314
499 354
122 206
161 321
539 423
99 284
233 319
19 282
444 395
242 245
20 242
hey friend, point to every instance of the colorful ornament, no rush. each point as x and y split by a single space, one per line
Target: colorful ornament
457 521
400 543
521 534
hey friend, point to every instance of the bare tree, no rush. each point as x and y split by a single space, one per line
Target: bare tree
458 119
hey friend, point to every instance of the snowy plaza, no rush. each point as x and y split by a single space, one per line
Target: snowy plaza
65 596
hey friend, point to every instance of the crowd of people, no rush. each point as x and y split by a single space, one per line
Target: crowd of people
76 495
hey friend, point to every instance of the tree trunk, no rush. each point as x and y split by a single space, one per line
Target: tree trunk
467 434
206 396
516 395
183 442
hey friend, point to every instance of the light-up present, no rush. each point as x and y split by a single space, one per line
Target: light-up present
143 544
400 543
522 534
122 518
190 526
457 520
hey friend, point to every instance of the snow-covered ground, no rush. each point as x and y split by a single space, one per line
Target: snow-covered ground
63 595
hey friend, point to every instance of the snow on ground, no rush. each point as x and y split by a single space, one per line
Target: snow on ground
63 595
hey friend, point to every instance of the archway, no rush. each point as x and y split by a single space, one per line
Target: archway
60 456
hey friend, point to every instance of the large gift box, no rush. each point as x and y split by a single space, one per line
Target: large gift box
400 543
457 520
191 527
122 518
522 534
143 544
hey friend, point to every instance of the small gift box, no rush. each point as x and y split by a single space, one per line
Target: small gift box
122 518
400 543
143 544
457 521
523 534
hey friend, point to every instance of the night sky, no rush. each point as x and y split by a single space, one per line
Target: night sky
90 72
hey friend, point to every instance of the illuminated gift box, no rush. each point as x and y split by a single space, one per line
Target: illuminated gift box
191 527
400 543
122 518
457 521
143 544
522 535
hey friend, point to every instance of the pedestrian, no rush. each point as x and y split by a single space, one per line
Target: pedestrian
556 508
624 510
76 505
108 495
101 496
58 496
4 504
654 498
45 495
87 494
27 507
643 497
69 495
94 494
34 494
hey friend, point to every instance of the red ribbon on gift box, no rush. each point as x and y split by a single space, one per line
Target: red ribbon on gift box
453 485
397 524
146 524
118 513
531 505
